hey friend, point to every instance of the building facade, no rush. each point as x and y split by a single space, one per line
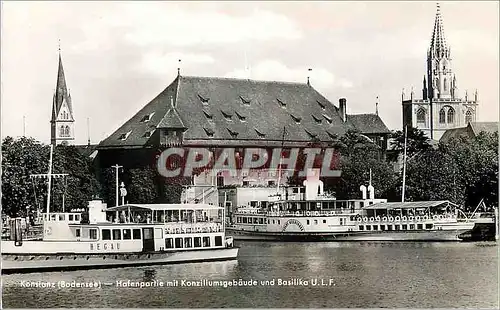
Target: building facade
62 122
440 108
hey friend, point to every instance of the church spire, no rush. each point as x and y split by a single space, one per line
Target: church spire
438 41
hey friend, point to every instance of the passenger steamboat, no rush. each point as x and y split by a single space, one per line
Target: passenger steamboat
120 236
311 215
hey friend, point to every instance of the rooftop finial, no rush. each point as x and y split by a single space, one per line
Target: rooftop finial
438 7
309 70
179 68
376 106
59 45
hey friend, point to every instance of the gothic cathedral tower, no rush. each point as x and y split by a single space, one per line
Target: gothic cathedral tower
62 121
441 108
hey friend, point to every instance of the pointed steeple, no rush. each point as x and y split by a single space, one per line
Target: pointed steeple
438 41
61 93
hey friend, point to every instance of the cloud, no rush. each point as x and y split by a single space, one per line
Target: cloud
163 63
276 71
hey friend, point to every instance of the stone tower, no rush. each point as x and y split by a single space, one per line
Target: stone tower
440 108
62 122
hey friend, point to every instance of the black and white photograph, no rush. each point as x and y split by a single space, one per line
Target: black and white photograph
249 154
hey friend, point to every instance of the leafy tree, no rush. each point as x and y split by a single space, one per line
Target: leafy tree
416 142
26 156
358 155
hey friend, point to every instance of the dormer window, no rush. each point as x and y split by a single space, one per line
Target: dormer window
241 117
208 115
260 133
148 134
296 119
311 134
332 135
124 136
204 100
328 118
209 132
323 106
227 116
282 104
317 119
234 134
147 117
245 101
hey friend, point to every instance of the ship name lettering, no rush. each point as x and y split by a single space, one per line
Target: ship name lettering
105 246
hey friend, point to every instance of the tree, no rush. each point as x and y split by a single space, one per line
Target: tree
26 156
358 155
416 142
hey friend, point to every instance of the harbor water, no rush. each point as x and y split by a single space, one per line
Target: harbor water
275 275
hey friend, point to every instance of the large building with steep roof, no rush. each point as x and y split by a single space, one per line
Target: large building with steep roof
62 122
440 108
225 112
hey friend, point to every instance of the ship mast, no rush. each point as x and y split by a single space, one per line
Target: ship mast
279 166
49 175
404 166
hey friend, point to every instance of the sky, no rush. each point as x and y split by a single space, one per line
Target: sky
118 56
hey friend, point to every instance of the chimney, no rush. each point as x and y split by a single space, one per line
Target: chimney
343 108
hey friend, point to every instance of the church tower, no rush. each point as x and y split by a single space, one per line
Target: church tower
62 121
441 108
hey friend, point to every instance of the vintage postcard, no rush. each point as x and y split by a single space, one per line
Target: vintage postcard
249 154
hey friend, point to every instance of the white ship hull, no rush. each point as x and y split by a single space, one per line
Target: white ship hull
424 235
24 263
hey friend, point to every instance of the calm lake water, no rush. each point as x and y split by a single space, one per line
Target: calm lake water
355 274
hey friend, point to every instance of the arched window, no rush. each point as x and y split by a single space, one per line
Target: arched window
445 84
67 131
451 115
421 115
468 117
62 131
442 116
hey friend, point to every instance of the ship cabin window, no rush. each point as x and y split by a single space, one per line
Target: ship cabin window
106 234
375 227
117 234
246 183
396 227
368 227
158 233
136 234
70 217
127 234
273 222
206 241
420 226
244 220
361 204
62 217
218 241
197 242
169 243
361 227
389 227
53 217
255 220
382 227
238 219
77 217
412 226
93 234
404 227
324 221
428 226
315 222
261 221
188 242
178 243
78 233
307 222
279 222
